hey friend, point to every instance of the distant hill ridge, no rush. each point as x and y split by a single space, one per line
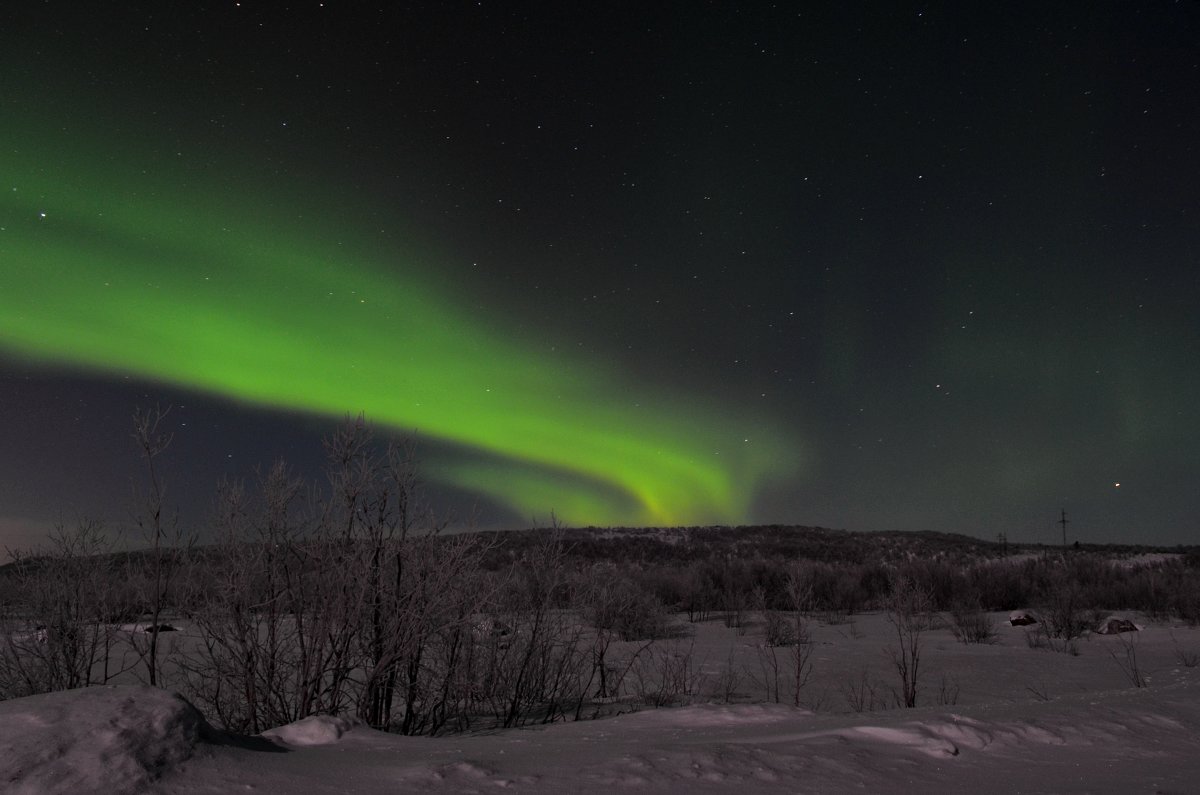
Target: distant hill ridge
777 542
682 544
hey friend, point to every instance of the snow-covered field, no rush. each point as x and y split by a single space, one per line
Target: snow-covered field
1013 719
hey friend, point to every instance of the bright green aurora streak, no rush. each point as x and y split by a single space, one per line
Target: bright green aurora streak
167 277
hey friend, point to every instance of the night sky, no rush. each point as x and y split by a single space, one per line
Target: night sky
865 265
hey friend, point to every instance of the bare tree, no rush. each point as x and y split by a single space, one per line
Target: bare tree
341 598
606 601
254 608
908 610
799 592
58 633
534 595
786 629
168 543
728 679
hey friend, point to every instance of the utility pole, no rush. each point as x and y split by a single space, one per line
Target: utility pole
1063 522
1002 538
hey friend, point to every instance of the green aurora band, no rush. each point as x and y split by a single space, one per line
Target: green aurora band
170 276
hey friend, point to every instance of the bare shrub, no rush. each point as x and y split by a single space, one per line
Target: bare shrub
908 611
1039 691
779 629
1127 659
779 666
421 667
1043 637
350 599
835 618
948 690
336 601
1064 619
274 619
1187 595
699 595
818 702
728 680
1036 638
539 672
768 671
736 612
58 634
613 603
1186 658
862 694
970 624
604 599
856 633
667 675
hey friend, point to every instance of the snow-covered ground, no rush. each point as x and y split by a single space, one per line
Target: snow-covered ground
1024 721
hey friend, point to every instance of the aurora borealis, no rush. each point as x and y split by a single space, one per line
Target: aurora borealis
914 267
203 293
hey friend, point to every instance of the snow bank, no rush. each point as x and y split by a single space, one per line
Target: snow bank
107 740
146 629
711 715
313 730
1116 625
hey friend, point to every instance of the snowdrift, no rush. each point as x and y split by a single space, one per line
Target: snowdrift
313 730
1030 721
1115 625
102 740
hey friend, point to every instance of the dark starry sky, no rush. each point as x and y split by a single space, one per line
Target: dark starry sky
948 252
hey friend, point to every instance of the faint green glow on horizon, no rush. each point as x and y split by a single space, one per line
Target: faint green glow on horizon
202 288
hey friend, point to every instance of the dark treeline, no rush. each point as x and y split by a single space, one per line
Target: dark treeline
686 544
713 569
706 586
